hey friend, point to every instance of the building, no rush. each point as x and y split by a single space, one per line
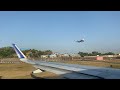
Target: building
52 56
75 55
44 56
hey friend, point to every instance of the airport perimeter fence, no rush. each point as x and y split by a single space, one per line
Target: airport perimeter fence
92 58
10 60
64 59
86 58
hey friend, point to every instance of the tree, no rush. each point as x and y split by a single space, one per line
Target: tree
48 52
6 52
82 54
36 53
109 53
94 53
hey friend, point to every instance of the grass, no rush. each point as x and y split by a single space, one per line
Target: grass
23 70
9 71
110 64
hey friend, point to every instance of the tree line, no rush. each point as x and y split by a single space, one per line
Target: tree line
94 53
8 52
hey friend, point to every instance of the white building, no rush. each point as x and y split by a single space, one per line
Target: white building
44 56
53 56
66 55
74 55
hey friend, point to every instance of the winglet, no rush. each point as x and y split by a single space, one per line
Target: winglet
18 52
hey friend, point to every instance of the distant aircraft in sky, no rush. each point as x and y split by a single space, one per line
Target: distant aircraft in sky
82 40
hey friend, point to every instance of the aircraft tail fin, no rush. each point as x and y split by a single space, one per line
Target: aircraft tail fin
19 53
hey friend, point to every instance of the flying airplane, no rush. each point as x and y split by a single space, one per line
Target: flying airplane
82 40
70 71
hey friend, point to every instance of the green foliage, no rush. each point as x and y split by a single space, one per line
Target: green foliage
47 52
6 52
36 53
82 54
109 53
94 53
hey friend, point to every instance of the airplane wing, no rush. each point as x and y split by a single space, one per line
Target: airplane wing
70 71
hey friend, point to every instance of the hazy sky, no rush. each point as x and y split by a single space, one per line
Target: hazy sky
58 30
